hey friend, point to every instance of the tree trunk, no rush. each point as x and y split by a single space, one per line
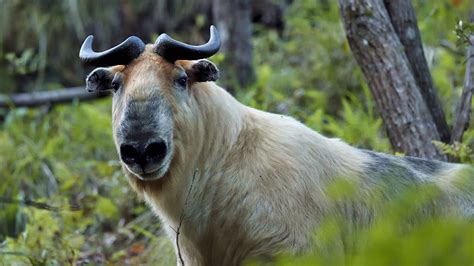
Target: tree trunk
233 20
379 52
403 19
269 13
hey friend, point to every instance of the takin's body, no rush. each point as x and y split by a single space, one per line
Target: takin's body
260 188
264 181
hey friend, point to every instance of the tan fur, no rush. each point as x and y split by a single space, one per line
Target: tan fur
260 188
242 197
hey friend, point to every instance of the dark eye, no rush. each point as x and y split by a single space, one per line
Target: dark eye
182 81
115 85
116 82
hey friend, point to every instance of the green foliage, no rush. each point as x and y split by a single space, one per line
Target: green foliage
65 157
358 125
47 240
458 150
463 32
24 64
404 231
310 55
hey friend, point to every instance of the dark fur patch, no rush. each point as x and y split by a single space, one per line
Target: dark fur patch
390 170
425 166
205 70
144 119
99 80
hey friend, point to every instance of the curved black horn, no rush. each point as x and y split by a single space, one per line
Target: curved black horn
121 54
173 50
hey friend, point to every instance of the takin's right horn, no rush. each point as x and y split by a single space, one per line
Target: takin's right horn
172 50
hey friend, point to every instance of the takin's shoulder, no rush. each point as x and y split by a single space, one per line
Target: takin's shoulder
292 144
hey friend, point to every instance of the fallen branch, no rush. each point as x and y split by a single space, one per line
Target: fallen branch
181 219
37 205
42 98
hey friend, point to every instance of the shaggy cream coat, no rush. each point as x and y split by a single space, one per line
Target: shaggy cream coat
260 188
259 183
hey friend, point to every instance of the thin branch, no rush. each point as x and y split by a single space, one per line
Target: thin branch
448 46
37 205
41 98
14 253
464 109
181 219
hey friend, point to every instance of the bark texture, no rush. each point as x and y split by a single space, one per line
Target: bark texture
403 18
233 20
379 52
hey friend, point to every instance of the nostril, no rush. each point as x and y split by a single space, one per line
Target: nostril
155 151
128 153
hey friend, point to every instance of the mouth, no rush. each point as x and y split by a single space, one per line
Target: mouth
150 175
148 163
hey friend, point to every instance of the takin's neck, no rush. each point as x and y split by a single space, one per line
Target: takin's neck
221 120
200 145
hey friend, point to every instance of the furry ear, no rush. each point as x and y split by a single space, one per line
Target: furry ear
205 70
201 70
104 79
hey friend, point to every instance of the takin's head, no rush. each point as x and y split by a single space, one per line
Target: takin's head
151 86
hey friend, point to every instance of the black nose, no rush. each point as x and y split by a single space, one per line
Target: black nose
143 154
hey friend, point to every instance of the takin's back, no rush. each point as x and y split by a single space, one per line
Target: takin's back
275 185
291 152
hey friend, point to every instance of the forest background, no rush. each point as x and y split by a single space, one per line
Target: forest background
63 197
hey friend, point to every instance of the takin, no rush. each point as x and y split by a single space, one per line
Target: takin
236 182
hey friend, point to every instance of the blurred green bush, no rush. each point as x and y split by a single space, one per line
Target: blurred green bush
405 231
65 157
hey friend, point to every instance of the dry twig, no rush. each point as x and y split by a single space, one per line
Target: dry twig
37 205
181 219
464 109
